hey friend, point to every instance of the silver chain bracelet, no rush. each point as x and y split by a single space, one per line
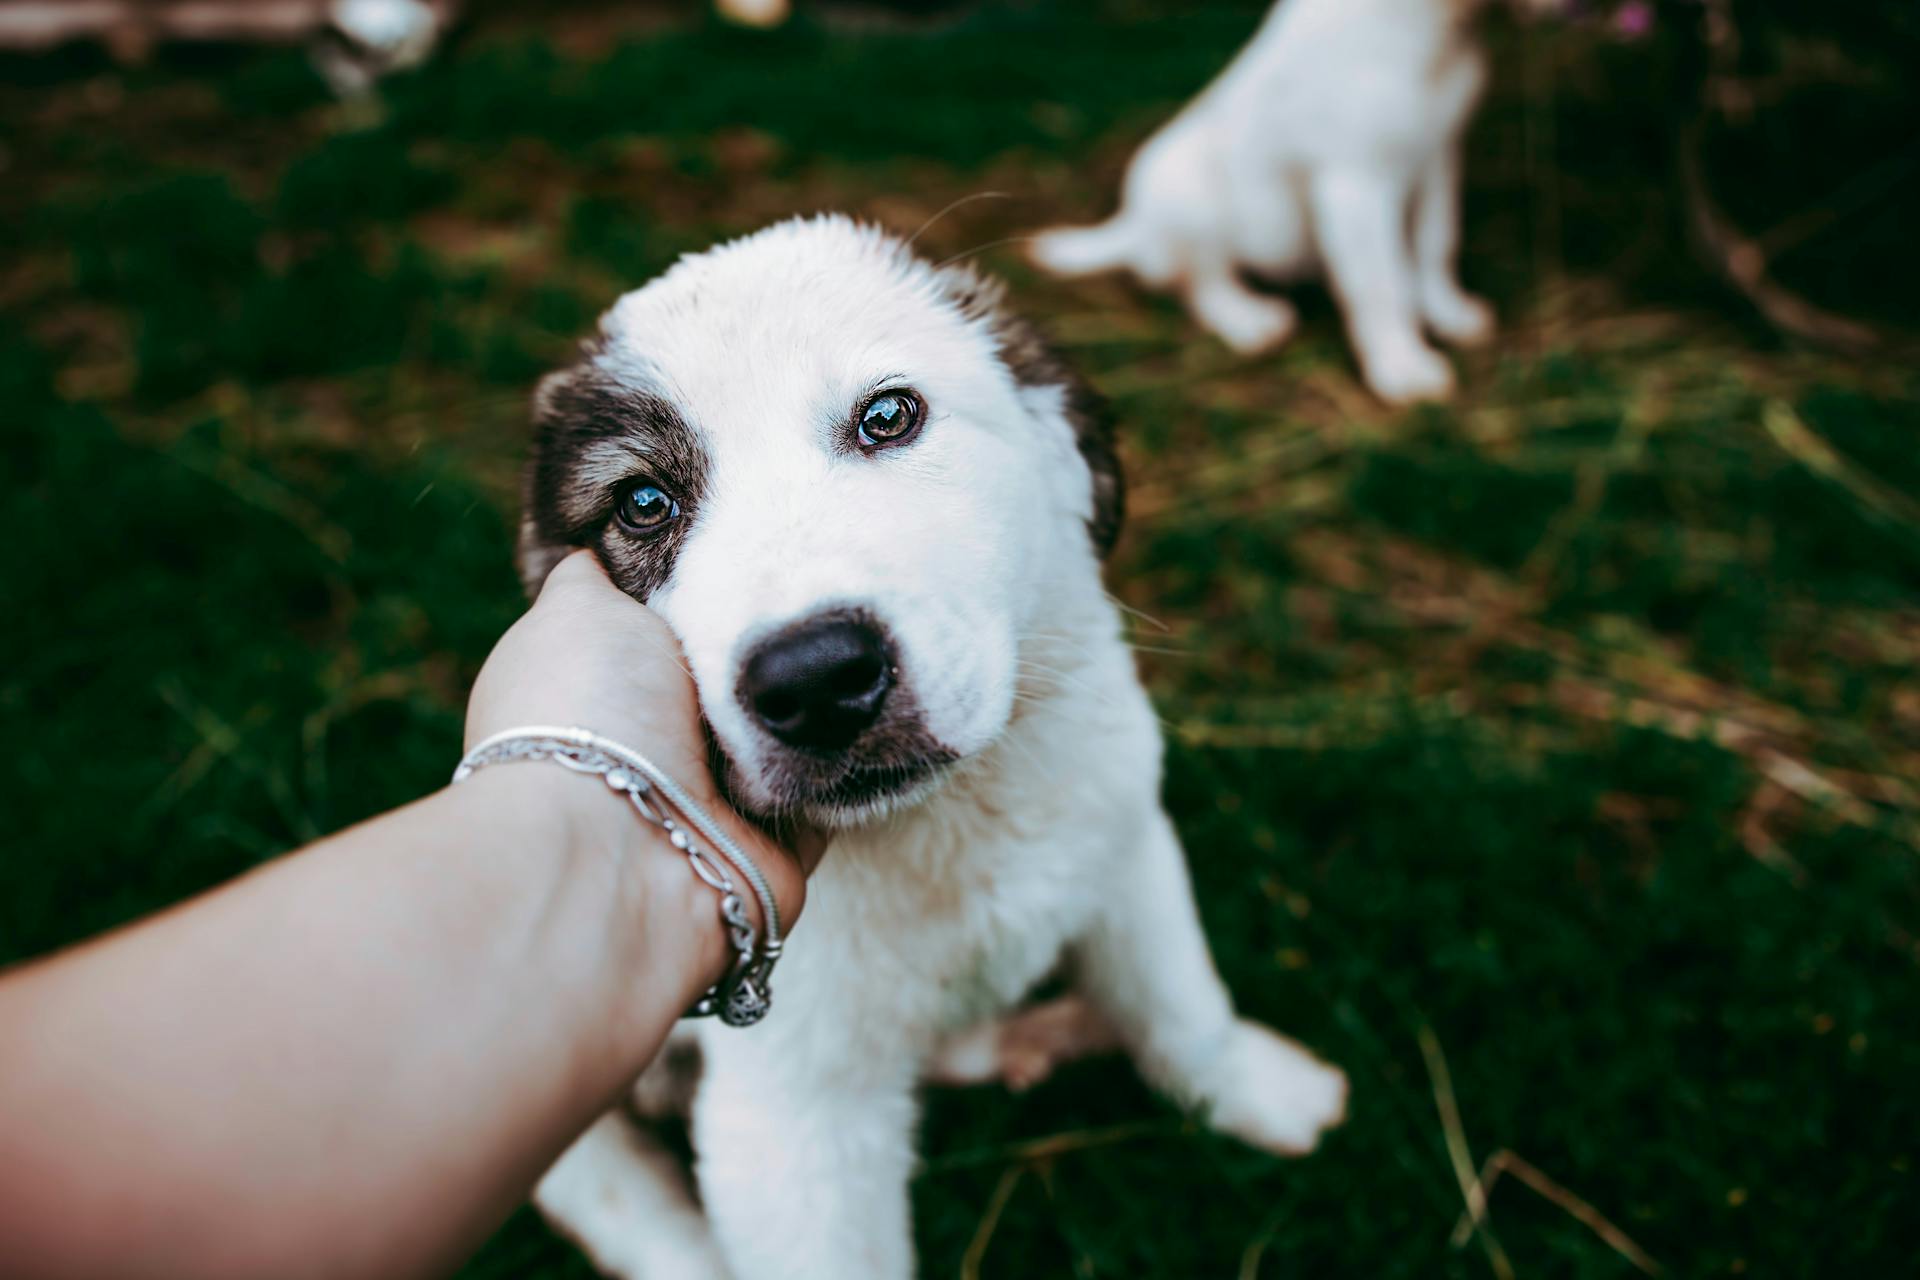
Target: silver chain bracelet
744 995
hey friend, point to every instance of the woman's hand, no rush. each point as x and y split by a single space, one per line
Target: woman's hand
588 656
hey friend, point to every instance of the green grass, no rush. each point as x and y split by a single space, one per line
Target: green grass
1572 730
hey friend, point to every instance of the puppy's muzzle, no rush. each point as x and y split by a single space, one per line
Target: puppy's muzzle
819 684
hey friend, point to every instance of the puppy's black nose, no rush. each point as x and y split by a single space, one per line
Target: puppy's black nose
819 685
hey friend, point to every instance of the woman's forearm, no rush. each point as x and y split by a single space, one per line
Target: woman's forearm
218 1091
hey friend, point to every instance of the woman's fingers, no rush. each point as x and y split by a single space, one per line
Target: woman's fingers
588 655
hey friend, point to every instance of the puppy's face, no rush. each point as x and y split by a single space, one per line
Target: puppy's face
847 481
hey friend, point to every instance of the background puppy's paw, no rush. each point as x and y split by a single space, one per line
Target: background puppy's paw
1460 318
1023 1049
1262 333
1275 1095
1249 323
1410 373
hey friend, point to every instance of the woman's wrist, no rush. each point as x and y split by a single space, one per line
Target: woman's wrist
650 928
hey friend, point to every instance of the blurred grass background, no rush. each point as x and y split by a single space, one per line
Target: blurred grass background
1547 760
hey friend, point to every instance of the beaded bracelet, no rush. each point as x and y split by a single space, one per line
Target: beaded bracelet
743 996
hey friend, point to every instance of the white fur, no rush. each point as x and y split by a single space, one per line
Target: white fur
1047 841
1330 145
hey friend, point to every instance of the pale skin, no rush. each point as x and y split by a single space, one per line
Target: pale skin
357 1060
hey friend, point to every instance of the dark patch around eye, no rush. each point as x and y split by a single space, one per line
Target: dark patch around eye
594 436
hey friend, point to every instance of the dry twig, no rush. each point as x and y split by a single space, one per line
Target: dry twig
1458 1152
990 1220
1504 1161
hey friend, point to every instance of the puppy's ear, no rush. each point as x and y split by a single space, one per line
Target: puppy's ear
1034 363
541 545
1093 430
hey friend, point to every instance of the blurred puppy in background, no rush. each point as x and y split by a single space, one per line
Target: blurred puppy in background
1332 143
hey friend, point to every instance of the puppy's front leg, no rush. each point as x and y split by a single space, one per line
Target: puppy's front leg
1241 318
622 1196
804 1168
1145 963
1359 222
1450 311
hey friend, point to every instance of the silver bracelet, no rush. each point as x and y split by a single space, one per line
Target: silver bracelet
743 996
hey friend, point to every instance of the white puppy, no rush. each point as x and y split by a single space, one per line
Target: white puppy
872 507
1331 144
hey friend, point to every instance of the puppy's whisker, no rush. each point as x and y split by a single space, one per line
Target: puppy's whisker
979 249
1030 664
1032 684
1036 681
1057 674
1166 725
1166 650
1052 637
672 653
1132 612
1037 692
1026 749
963 200
1058 638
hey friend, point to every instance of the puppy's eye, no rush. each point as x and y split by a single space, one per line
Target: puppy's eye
646 508
892 417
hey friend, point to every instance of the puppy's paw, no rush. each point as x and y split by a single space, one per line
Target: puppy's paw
1460 318
1275 1095
1408 373
1022 1049
1250 324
